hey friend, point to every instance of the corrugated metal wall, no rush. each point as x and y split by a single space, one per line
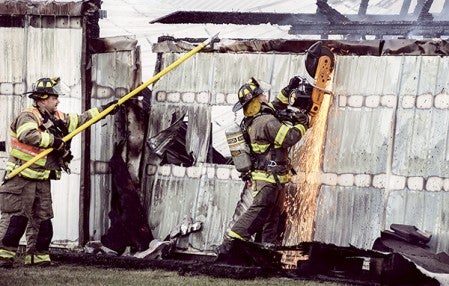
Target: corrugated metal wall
114 74
205 86
28 54
50 40
384 157
386 154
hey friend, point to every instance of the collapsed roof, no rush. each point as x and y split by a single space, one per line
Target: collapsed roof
327 21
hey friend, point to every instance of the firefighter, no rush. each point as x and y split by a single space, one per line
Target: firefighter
269 138
25 199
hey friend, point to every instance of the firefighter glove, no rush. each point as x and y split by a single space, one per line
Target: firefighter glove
107 105
300 118
294 82
58 143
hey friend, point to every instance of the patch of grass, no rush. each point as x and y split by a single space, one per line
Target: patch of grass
89 275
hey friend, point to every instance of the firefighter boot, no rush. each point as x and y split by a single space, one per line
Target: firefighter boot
39 255
6 258
224 250
37 260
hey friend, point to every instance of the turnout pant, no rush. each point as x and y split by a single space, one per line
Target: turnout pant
26 205
264 216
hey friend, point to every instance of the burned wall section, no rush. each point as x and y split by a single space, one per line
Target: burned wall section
384 154
204 89
115 72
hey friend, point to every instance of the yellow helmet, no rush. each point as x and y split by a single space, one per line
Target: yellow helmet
43 88
246 93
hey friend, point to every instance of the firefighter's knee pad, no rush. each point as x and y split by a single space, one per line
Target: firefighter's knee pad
15 230
44 236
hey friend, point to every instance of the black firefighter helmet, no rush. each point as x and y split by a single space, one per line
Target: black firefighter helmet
43 88
246 93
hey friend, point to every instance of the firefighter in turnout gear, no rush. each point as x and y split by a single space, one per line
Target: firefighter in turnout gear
269 138
25 200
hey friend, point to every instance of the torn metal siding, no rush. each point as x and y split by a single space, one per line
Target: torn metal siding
114 74
385 111
205 193
206 89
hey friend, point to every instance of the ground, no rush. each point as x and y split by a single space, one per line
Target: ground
70 274
69 268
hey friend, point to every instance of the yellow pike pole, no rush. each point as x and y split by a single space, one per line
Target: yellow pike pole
112 107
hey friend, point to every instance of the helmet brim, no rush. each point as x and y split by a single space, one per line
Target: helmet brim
49 93
237 107
31 93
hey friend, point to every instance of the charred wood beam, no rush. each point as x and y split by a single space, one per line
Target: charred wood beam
445 10
405 7
363 7
250 18
331 14
422 10
398 28
239 18
16 21
316 24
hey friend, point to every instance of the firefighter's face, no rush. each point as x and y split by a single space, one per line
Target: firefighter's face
263 98
50 103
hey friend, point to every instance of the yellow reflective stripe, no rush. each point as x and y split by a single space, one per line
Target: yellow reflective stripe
27 126
73 122
45 140
94 112
27 157
282 98
7 254
37 258
259 148
301 129
234 234
32 174
280 136
10 166
38 175
264 176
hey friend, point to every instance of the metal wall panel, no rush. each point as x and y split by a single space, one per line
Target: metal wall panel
349 215
385 148
11 84
388 132
113 76
205 86
426 210
33 53
207 193
366 149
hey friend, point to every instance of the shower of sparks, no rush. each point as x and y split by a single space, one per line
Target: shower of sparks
306 157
